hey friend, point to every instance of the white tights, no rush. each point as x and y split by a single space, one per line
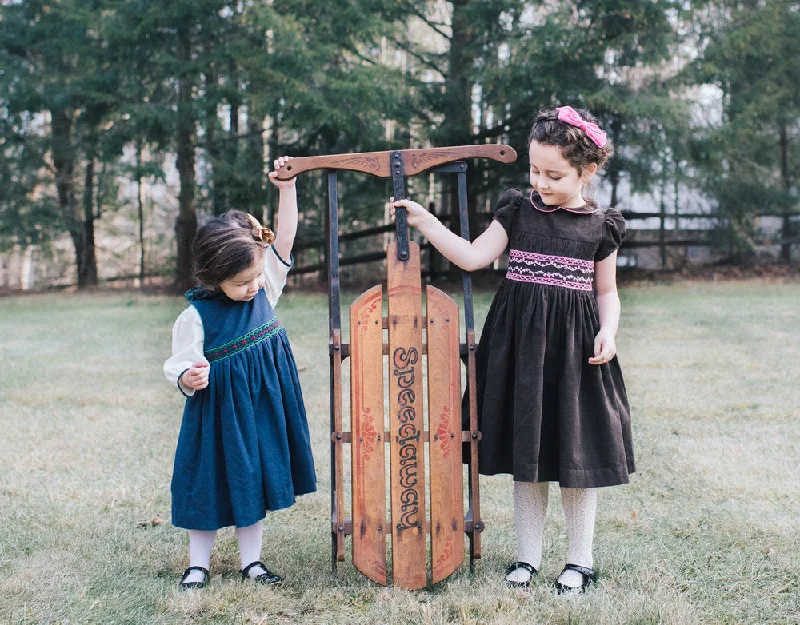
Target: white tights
580 508
201 542
530 507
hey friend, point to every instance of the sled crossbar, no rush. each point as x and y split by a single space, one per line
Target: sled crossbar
379 163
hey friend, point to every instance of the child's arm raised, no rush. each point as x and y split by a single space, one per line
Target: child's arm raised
286 220
470 256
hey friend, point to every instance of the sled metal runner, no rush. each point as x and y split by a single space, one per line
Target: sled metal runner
411 341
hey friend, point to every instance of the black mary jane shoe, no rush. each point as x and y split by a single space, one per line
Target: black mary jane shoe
520 565
589 577
268 578
184 585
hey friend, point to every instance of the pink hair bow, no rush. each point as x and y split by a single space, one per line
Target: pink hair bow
569 115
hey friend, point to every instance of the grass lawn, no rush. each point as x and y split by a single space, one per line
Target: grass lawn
708 531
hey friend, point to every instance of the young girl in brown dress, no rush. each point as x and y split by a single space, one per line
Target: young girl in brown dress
551 398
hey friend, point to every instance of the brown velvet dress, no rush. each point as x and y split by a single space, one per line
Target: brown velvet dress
545 413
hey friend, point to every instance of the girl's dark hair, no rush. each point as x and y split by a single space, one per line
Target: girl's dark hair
576 146
225 246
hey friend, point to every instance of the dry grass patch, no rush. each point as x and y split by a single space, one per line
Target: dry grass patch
705 533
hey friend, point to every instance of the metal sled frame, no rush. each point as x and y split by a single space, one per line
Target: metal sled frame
406 437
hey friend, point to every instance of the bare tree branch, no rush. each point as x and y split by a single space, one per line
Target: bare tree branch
435 26
404 46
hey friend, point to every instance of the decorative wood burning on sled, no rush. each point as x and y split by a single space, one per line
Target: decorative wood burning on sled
412 342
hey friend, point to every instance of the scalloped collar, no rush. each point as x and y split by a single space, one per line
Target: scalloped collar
536 202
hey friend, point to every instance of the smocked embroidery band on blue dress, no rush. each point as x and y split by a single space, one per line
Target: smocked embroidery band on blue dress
243 342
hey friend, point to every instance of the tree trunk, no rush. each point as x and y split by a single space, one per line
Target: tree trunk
140 207
456 127
786 226
676 188
218 204
87 266
662 219
457 124
64 165
186 224
272 154
236 183
255 160
614 164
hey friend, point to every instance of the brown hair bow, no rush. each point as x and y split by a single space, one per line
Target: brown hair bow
265 235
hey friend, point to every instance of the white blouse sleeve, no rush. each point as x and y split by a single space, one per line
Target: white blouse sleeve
275 271
187 347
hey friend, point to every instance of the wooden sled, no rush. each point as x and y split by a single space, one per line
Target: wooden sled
421 502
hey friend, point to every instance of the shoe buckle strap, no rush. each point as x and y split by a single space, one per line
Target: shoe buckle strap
585 571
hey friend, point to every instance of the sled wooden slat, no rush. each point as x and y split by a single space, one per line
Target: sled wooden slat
444 452
367 427
407 457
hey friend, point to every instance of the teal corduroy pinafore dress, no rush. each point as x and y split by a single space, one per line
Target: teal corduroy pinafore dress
243 447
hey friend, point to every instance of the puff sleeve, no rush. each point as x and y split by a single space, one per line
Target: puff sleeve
275 271
187 347
613 234
506 208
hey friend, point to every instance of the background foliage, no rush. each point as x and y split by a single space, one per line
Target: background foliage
103 95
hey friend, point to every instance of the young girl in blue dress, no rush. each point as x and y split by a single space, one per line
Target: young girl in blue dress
551 399
243 447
